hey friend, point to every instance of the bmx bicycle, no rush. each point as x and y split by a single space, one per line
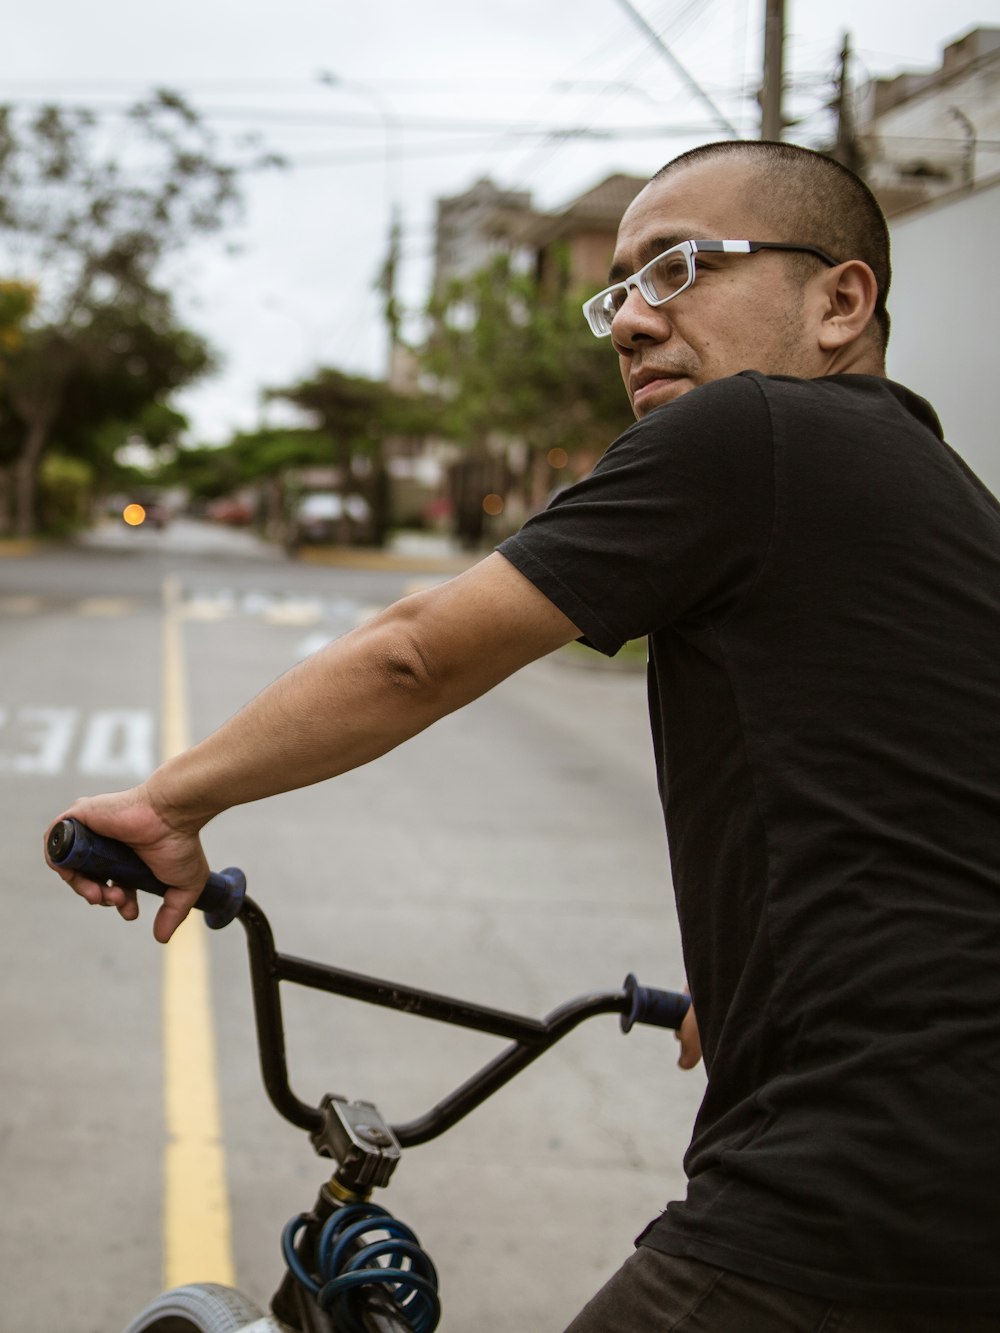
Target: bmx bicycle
351 1267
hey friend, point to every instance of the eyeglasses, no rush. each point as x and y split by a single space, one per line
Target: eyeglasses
674 272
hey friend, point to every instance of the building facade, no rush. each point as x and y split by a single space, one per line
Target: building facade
924 135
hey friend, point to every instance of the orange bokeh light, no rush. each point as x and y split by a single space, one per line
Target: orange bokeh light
134 515
493 504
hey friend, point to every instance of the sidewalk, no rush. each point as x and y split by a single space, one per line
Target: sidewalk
185 535
409 552
11 547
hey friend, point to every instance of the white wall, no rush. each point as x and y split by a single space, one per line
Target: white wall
945 308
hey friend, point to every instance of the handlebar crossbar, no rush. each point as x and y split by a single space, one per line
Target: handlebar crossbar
529 1037
71 845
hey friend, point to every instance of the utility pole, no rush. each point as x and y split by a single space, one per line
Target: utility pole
969 157
386 285
772 122
845 149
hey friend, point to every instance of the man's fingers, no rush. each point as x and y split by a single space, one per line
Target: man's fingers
690 1040
128 908
103 895
87 889
175 907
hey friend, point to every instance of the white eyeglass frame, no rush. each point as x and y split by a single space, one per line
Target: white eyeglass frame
595 311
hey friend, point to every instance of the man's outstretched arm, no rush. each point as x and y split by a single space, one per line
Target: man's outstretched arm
352 701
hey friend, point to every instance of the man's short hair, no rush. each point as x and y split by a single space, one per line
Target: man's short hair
813 199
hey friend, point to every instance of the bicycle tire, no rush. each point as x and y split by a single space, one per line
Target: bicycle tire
204 1307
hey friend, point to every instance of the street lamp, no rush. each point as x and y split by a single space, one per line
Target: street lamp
390 129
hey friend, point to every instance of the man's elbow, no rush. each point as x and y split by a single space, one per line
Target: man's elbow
406 667
400 653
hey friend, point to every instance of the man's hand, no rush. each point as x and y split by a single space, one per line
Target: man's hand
690 1040
175 856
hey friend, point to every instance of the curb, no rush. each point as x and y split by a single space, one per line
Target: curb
19 546
345 557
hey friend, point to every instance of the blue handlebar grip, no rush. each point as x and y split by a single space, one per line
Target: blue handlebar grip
73 846
661 1008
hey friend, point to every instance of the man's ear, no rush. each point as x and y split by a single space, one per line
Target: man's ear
849 294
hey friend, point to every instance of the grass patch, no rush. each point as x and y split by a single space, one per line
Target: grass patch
631 656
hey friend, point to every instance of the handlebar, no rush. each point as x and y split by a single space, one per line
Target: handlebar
73 846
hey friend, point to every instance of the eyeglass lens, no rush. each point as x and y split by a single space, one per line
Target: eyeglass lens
667 275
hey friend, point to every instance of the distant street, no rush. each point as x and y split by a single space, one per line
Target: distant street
512 855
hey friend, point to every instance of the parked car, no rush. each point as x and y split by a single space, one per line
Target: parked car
327 518
157 513
231 511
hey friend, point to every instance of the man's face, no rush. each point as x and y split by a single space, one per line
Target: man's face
743 312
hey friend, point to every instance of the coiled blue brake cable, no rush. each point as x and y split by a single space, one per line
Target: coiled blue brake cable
346 1266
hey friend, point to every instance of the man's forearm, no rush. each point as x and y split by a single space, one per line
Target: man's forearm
365 693
344 706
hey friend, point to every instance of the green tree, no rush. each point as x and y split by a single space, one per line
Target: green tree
90 219
261 458
87 391
17 300
357 417
521 374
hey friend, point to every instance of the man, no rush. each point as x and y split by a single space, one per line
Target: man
819 577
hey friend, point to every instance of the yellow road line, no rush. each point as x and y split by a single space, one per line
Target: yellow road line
196 1219
106 606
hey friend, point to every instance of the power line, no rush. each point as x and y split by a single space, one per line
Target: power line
468 136
347 120
459 147
678 68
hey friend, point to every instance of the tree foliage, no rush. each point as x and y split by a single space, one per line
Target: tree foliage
357 417
17 300
88 213
88 389
516 359
357 414
250 457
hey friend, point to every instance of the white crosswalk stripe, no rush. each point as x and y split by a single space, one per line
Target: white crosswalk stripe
340 614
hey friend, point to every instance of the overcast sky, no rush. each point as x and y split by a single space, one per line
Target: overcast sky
403 102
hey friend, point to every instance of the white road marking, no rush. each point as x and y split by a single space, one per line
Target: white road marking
45 741
118 743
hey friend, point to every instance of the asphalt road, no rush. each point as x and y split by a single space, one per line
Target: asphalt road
512 855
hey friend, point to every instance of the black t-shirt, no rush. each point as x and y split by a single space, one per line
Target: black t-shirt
819 575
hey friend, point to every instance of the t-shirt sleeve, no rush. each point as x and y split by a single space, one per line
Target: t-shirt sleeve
671 526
